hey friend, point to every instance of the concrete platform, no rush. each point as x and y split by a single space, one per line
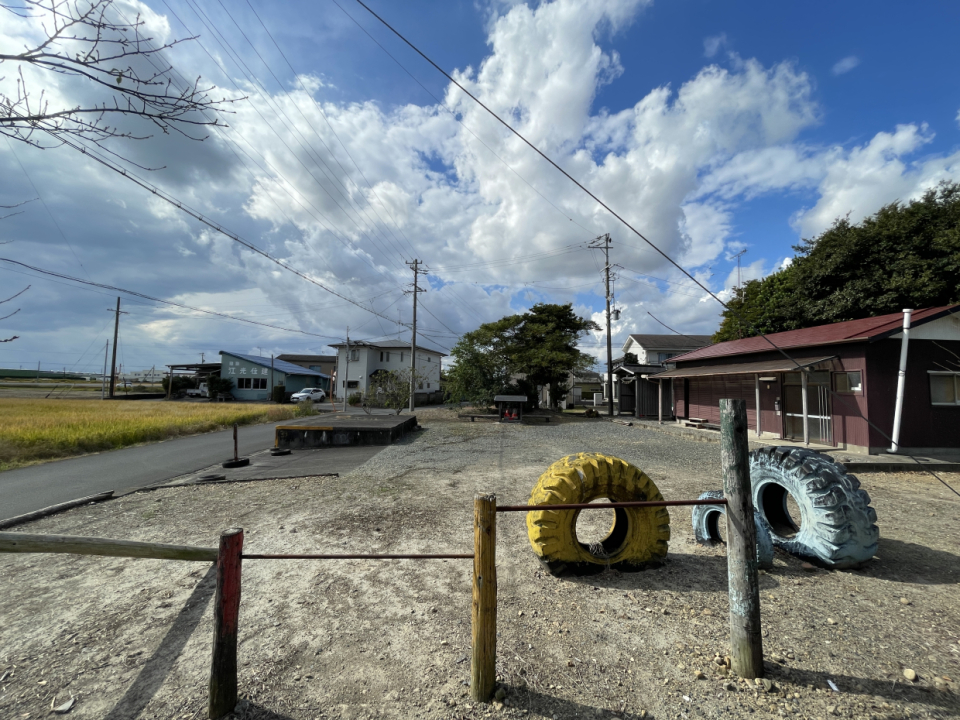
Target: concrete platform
339 430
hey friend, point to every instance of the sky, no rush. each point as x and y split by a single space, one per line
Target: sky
710 127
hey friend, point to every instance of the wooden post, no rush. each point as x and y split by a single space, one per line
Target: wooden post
170 384
235 455
483 667
746 643
806 419
226 614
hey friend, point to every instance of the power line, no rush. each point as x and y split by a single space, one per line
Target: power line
160 300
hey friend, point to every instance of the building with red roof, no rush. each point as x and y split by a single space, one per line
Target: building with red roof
845 374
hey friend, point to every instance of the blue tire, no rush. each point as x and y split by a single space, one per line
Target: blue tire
706 527
837 525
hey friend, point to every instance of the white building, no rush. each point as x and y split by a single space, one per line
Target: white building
658 349
367 358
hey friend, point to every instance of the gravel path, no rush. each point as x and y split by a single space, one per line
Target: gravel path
362 639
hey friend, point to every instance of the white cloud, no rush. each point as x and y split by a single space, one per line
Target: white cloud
859 181
712 44
846 65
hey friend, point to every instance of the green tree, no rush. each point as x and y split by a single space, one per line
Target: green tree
392 389
540 345
902 256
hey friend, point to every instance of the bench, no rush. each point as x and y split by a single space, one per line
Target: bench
473 418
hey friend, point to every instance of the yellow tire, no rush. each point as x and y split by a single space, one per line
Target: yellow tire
638 536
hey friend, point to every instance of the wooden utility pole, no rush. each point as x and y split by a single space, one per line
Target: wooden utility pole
605 239
415 264
483 675
746 642
116 331
346 373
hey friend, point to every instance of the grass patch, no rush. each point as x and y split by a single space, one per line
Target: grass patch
34 431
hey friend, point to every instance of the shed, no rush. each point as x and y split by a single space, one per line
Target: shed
254 377
844 373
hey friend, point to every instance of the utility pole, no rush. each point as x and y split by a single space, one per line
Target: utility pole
201 358
103 378
116 331
346 372
415 264
739 285
605 239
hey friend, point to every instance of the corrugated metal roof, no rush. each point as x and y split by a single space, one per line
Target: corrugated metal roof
671 342
308 358
279 365
764 366
866 329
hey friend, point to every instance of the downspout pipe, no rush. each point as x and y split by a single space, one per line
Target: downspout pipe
901 382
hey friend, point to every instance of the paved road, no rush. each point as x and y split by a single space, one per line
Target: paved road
39 486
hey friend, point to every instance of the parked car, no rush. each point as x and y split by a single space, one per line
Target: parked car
314 394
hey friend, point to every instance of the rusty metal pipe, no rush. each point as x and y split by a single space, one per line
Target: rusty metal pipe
467 556
607 506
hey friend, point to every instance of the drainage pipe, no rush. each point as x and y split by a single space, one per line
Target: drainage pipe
901 382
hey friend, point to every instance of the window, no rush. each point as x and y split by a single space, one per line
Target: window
353 383
428 386
354 355
384 356
663 357
944 388
244 383
401 357
848 382
259 383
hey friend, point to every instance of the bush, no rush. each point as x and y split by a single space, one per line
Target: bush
279 394
355 399
305 408
180 383
217 385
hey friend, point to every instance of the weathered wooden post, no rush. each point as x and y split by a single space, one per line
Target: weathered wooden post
226 614
746 643
483 666
235 453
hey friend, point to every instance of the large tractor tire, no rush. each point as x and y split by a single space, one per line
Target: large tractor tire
706 527
836 521
638 537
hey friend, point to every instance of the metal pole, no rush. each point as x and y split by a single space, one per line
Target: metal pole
901 382
606 254
757 401
660 402
235 453
169 383
113 366
271 376
746 641
803 392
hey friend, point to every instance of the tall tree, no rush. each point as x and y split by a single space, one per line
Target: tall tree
539 346
906 255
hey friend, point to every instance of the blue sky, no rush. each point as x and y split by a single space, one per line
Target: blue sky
710 126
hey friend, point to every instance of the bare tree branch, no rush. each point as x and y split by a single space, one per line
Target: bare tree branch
85 41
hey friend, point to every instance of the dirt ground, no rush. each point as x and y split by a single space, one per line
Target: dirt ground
131 638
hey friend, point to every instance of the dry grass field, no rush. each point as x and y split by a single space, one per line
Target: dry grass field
35 430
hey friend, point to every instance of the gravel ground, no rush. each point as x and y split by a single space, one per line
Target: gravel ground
363 639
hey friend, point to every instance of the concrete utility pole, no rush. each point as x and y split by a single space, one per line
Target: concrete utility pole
103 378
605 239
346 373
116 331
415 264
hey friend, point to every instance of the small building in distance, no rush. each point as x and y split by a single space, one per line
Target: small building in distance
253 380
834 385
366 359
326 364
659 349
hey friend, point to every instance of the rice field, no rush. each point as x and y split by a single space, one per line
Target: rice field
35 430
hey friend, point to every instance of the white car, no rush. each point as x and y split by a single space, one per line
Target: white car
314 394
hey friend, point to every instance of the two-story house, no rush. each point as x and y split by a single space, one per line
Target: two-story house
658 349
366 359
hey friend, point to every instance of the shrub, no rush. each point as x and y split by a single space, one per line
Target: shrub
279 394
305 408
355 399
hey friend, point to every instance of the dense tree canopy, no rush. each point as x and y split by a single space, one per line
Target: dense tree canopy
539 347
904 256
